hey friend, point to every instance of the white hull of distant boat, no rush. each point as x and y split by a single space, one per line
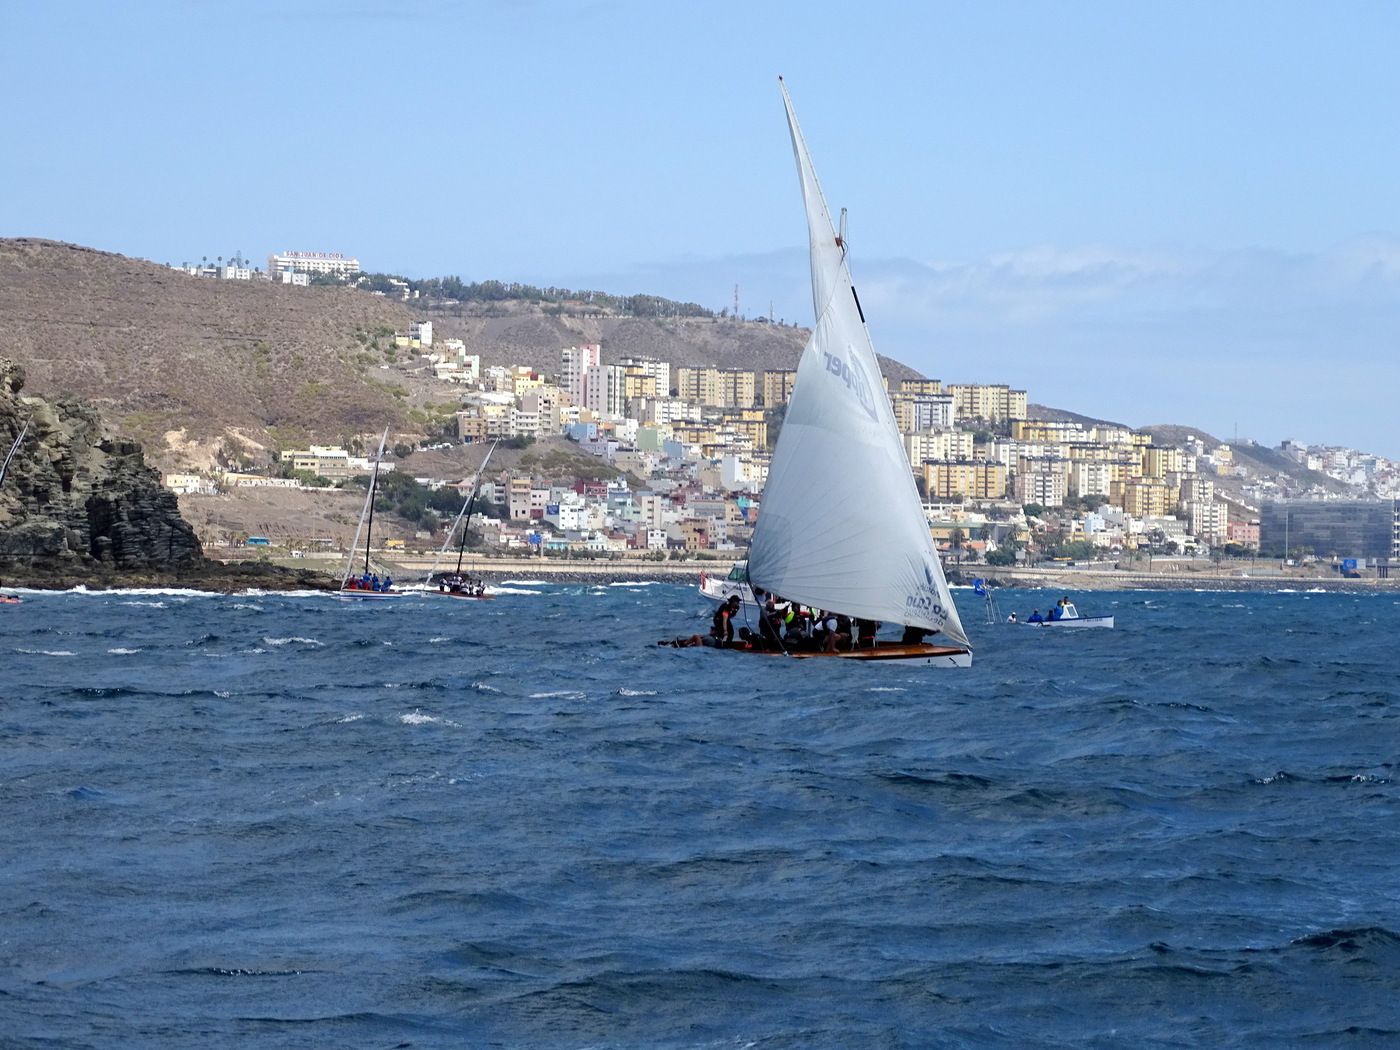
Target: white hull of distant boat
351 595
720 588
1078 622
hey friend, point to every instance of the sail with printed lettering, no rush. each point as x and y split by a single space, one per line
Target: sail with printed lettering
841 526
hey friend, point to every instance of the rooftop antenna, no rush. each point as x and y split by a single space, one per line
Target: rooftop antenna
736 302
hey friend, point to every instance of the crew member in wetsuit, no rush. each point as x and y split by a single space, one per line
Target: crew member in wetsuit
914 635
722 626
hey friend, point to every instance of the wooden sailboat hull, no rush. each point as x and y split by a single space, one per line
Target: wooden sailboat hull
461 597
903 655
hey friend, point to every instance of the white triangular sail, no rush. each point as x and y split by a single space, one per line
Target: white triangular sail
841 526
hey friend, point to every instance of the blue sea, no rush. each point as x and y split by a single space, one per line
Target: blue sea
285 821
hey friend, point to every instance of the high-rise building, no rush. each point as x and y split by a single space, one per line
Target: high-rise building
993 403
574 363
916 412
605 390
647 367
777 386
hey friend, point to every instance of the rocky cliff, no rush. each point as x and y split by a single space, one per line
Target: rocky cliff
80 505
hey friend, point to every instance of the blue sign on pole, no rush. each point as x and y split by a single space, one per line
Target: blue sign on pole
534 539
1348 565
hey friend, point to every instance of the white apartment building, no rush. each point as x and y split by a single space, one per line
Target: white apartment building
523 423
299 280
1208 521
939 445
574 363
1089 478
662 411
605 390
658 370
923 412
1046 487
332 263
422 331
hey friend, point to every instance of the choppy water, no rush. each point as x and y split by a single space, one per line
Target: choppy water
285 821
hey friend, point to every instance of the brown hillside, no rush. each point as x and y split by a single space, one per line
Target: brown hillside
527 334
160 351
205 371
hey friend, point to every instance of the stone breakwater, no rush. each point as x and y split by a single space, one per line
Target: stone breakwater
79 505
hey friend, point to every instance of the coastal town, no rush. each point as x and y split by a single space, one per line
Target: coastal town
671 462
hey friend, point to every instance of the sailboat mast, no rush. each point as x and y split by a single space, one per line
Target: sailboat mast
369 527
471 502
369 500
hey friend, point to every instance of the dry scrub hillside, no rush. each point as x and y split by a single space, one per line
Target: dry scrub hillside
529 334
160 352
208 372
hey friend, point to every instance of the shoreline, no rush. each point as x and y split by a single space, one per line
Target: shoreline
237 577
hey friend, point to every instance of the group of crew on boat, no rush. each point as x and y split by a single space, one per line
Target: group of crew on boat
1062 610
787 627
369 582
462 585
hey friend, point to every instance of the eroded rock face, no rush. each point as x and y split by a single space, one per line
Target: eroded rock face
77 498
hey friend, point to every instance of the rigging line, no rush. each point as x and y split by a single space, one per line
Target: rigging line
466 525
762 613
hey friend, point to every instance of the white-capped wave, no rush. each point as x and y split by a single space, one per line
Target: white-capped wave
439 638
482 687
624 691
149 605
528 583
223 694
296 638
418 718
46 652
351 718
887 689
510 590
119 651
146 592
562 694
633 583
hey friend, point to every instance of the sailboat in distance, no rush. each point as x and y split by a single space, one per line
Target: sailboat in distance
841 526
367 586
455 585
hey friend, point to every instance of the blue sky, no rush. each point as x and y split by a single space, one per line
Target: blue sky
1181 213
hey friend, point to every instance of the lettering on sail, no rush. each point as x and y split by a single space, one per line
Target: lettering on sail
926 601
855 379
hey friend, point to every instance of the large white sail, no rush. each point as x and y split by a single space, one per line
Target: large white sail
841 525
